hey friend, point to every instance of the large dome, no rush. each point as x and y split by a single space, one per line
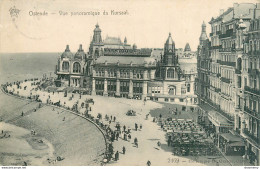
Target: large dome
67 53
80 53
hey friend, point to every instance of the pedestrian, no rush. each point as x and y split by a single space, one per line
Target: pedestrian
129 130
124 127
148 163
114 118
136 127
111 117
22 113
169 142
129 136
141 126
123 149
63 118
160 116
117 136
117 155
2 131
159 143
109 121
125 137
136 142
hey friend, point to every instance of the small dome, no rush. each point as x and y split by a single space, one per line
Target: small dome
187 47
80 53
169 41
97 29
67 53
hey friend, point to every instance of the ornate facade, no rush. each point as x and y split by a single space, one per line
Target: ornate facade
115 68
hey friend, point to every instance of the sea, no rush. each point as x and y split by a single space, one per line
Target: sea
21 66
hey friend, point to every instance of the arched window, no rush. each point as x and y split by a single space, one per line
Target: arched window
76 67
170 73
65 66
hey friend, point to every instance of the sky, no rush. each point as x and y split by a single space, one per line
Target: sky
147 23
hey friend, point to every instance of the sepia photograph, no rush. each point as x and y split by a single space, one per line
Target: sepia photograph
130 83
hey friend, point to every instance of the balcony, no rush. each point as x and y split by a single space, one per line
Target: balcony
216 47
237 71
217 90
251 112
229 33
227 49
223 79
218 109
227 63
218 32
251 136
252 90
253 71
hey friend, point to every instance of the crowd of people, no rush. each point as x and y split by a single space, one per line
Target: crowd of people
186 137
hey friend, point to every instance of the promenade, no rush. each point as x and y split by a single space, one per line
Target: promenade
148 136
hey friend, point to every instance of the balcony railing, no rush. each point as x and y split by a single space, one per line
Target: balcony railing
251 135
237 71
252 112
223 79
252 90
229 33
217 90
227 63
216 47
253 71
218 109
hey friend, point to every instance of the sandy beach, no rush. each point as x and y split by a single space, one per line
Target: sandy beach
77 140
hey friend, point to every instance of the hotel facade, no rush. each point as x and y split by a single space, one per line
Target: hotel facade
228 81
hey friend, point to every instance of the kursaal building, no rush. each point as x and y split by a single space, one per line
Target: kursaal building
115 68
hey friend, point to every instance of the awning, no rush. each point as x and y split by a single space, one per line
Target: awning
231 138
237 144
218 120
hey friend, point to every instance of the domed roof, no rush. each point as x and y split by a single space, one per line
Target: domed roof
67 53
203 35
187 47
80 54
169 44
97 29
